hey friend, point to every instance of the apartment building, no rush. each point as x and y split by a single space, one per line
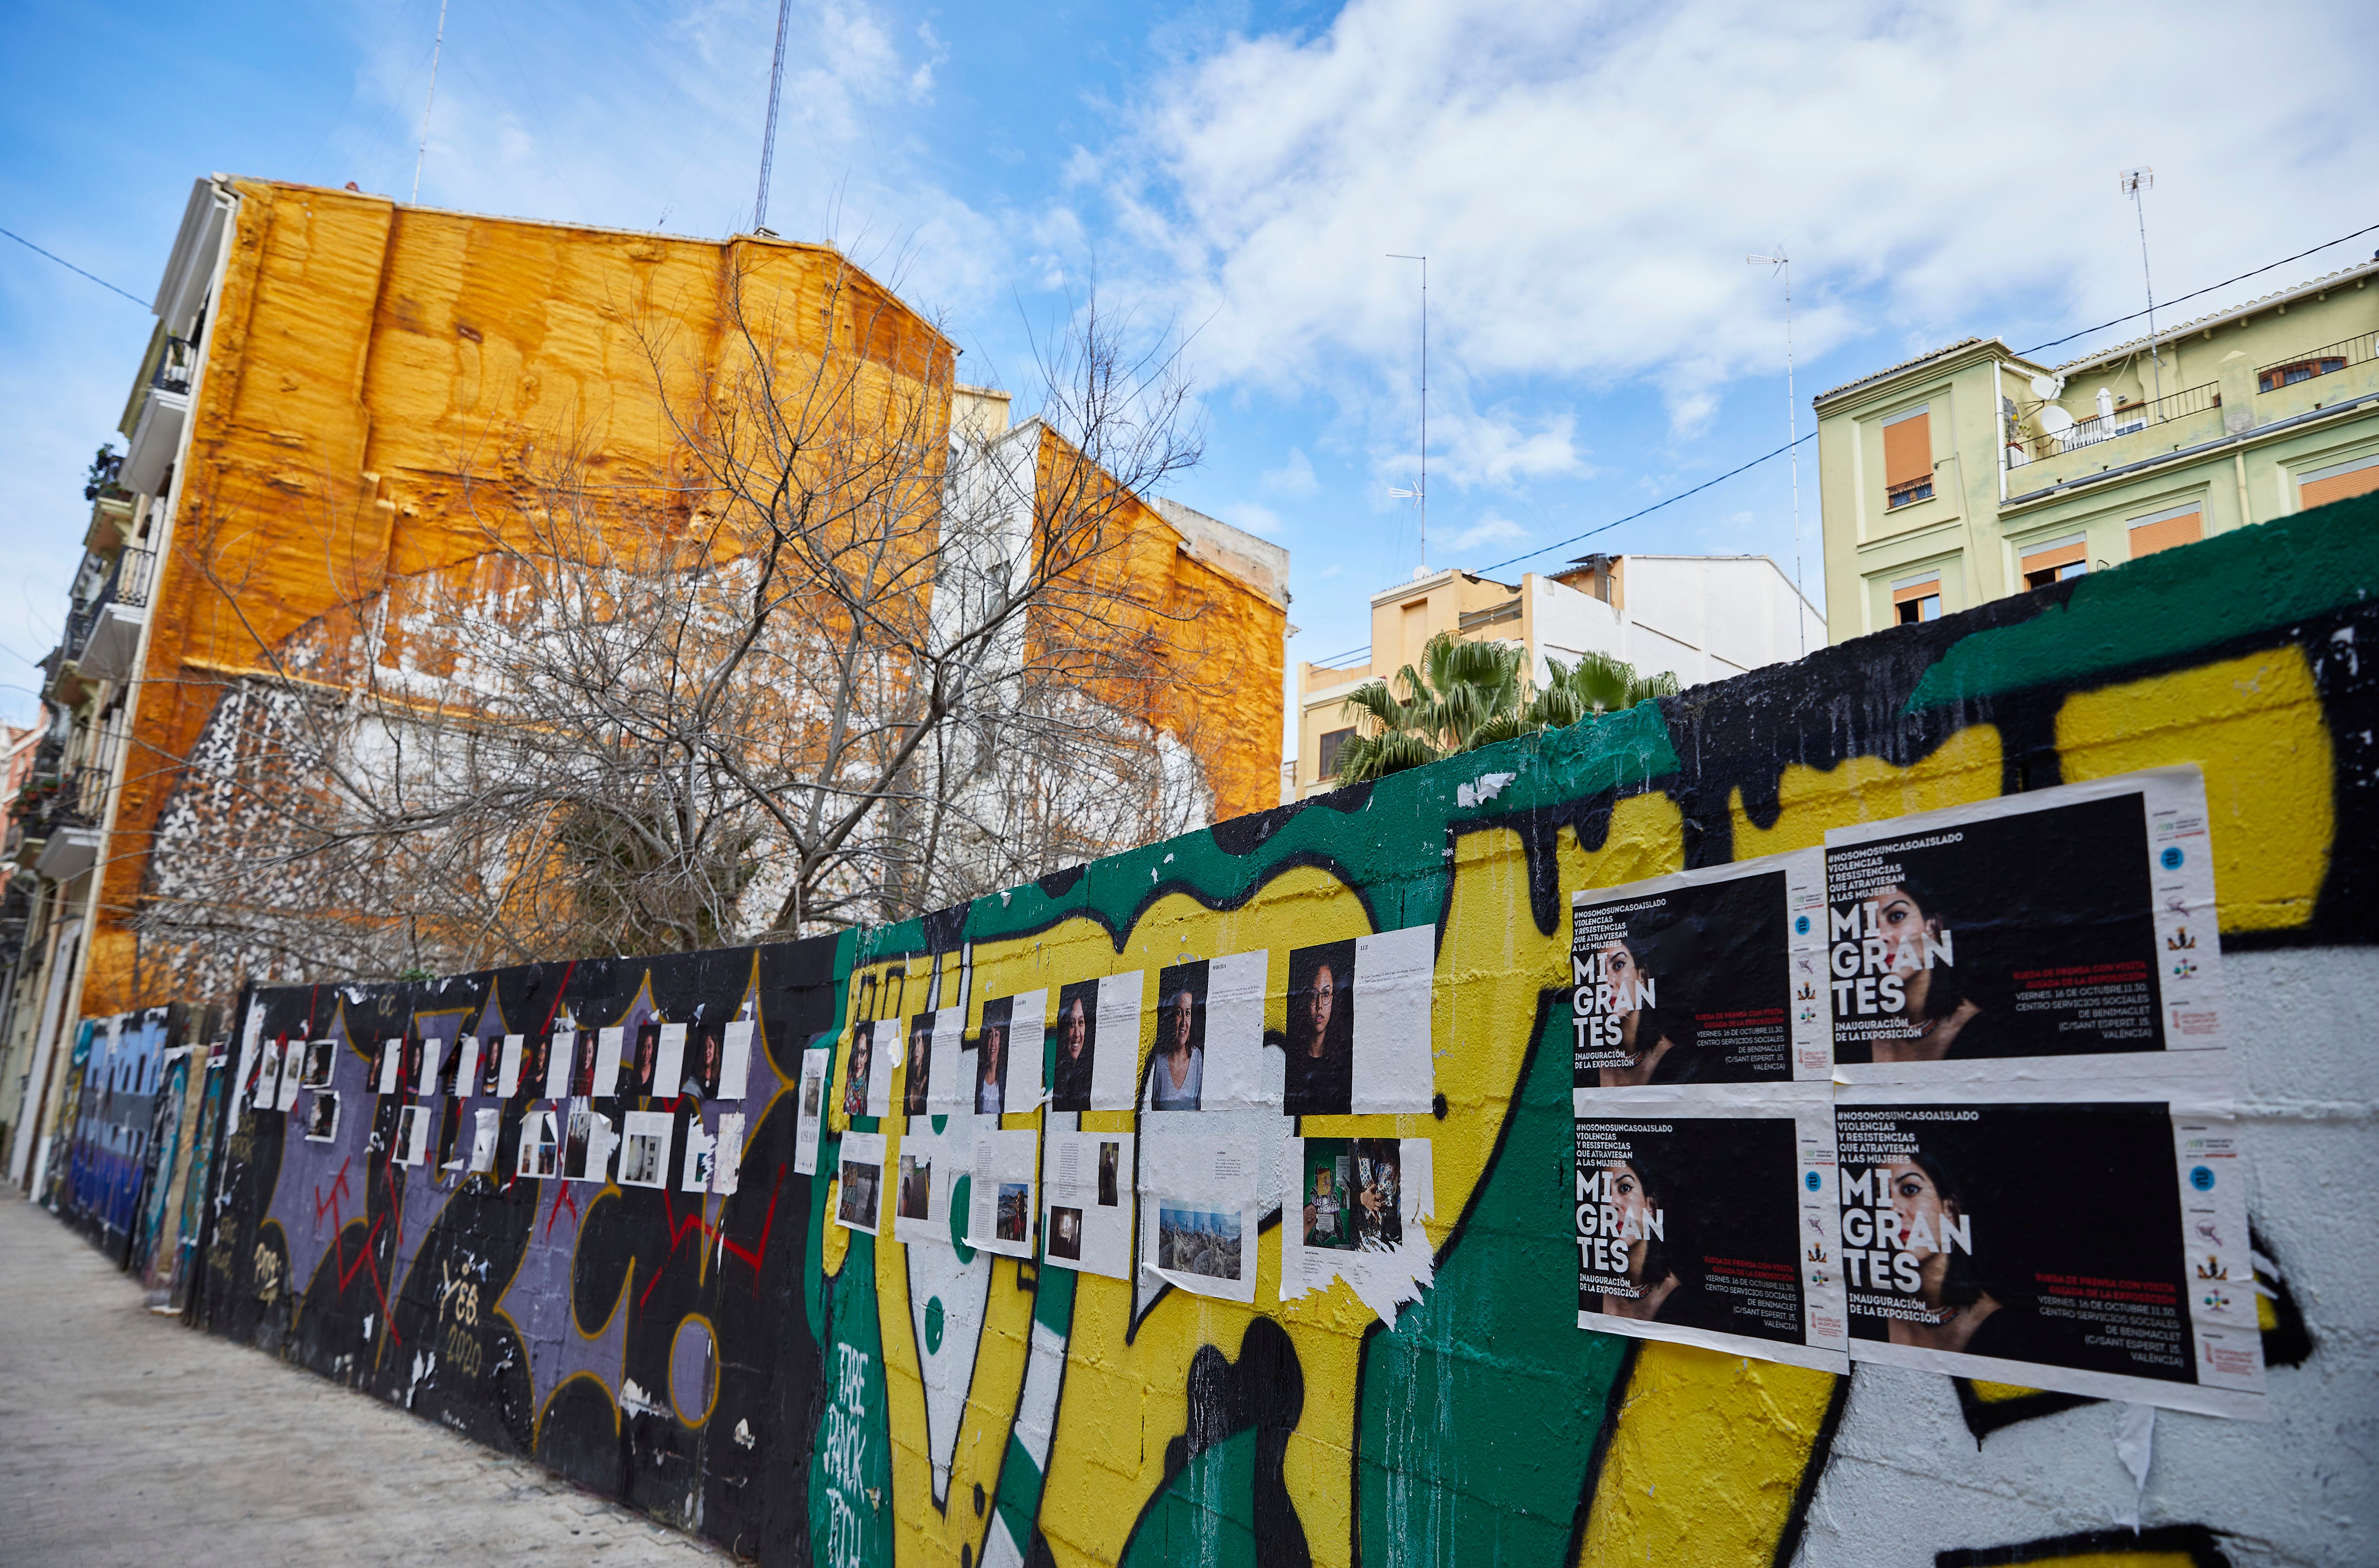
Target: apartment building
1975 472
341 397
1701 616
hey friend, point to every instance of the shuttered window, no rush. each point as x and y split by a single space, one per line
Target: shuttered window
2323 486
2163 530
2056 561
1908 457
1916 598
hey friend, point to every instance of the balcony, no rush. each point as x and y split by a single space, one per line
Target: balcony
2078 449
112 623
165 410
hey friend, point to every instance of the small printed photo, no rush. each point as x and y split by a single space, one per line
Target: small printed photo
1378 1187
862 1056
582 1064
1199 1241
1110 1181
812 1091
1329 1173
322 1060
860 1181
1078 1042
991 1058
916 1187
1014 1213
411 1135
322 1115
538 1146
921 1064
701 1160
530 1084
643 1161
1066 1233
579 1160
414 1045
1177 1070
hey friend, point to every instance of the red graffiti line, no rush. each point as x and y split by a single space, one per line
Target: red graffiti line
677 1235
338 1189
561 1196
768 1223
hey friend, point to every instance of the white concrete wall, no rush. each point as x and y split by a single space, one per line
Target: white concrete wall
1706 617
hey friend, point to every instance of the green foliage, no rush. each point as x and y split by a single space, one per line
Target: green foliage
1466 696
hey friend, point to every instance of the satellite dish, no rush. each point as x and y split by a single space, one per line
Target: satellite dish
2055 421
2046 387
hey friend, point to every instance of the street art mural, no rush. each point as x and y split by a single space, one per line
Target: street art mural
537 1206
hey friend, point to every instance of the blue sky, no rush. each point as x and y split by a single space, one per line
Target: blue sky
1585 179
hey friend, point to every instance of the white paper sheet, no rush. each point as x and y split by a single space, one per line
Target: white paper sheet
701 1156
467 1067
412 1135
561 1057
735 1059
922 1172
1394 1068
644 1148
268 1076
611 1046
999 1216
726 1169
669 1064
1028 1025
1086 1199
1114 1077
1199 1210
508 1068
859 1176
587 1145
486 1128
949 1090
251 1036
392 1064
810 1113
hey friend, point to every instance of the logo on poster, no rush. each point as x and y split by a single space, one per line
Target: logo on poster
1800 925
2172 859
2202 1179
1811 1181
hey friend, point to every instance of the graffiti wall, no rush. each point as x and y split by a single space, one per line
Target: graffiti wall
1222 1201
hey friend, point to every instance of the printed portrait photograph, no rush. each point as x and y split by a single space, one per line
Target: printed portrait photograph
322 1115
640 1162
1319 1078
1066 1233
534 1051
649 1056
582 1074
1177 1068
1078 1026
913 1097
1110 1173
390 1053
701 1080
411 1135
578 1146
322 1057
1199 1241
813 1093
991 1058
862 1056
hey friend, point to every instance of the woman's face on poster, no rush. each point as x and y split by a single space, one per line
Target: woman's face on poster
1323 1002
1074 1028
1918 1201
1178 1019
995 1038
861 1048
1903 926
1619 970
1632 1202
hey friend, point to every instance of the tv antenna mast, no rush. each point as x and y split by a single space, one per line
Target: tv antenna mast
1781 264
2136 183
768 137
1419 492
436 49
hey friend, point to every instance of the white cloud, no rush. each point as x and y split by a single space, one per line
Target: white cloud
1488 530
1587 179
1293 478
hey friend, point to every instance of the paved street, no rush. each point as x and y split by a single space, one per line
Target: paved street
127 1438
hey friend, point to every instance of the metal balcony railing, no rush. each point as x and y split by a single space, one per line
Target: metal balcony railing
2324 361
174 365
2128 421
1472 619
134 571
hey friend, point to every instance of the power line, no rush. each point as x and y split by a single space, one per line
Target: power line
1650 510
70 267
2207 289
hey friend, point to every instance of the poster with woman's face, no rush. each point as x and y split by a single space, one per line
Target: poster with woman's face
642 1083
917 1077
2070 922
862 1064
1077 1042
1357 1021
2090 1246
1709 976
1176 1066
1702 1216
992 1048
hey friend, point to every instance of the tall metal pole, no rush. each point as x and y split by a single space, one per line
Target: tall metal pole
1784 263
1421 490
435 50
2136 183
768 138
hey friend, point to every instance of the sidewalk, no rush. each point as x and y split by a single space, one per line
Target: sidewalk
127 1438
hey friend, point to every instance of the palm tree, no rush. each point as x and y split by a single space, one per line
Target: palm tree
1466 696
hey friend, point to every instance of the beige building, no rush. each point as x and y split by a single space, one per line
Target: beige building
1701 617
1975 472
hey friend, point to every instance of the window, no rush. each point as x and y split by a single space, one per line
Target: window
2278 376
2325 484
1908 458
1916 598
1332 742
2055 560
2163 530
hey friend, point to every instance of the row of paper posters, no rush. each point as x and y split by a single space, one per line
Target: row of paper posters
598 1110
1950 1092
1181 1197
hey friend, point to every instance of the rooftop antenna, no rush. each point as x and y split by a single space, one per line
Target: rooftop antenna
1780 263
1420 491
768 137
435 49
2136 183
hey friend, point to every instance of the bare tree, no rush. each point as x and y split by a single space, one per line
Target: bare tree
838 661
